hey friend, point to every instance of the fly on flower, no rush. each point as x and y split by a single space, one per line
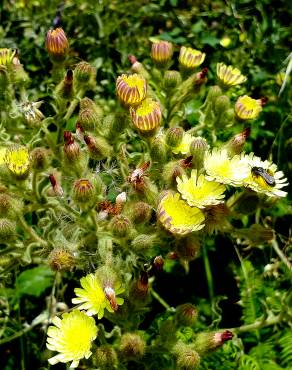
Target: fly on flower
137 176
264 174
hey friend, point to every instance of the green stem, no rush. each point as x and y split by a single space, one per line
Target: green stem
208 273
259 324
34 185
282 256
160 300
31 231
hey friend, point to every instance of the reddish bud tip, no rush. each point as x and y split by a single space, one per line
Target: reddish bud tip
263 101
53 180
68 138
132 59
204 72
69 76
226 335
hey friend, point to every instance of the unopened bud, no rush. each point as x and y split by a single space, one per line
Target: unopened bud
71 149
200 77
187 357
39 159
158 150
161 52
174 136
98 147
132 346
171 171
90 115
61 259
188 248
120 225
171 79
186 314
115 123
141 212
213 93
236 143
222 104
56 187
7 229
57 44
208 342
144 242
198 148
138 67
83 192
65 89
105 358
83 72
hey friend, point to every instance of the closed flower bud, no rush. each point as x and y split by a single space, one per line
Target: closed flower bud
120 226
213 93
171 171
141 212
158 150
174 136
222 103
56 187
171 79
61 259
198 148
19 76
105 358
71 148
98 147
188 248
138 67
6 205
190 58
140 288
57 44
161 52
186 314
131 89
206 343
226 118
144 242
90 115
115 123
83 72
235 145
132 346
39 159
7 229
147 116
83 192
65 89
186 357
216 218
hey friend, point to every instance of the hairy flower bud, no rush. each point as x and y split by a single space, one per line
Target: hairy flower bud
65 89
161 52
98 147
171 79
56 187
39 159
61 259
83 72
71 148
57 44
158 150
90 115
83 192
115 123
105 358
208 342
174 136
132 346
186 314
235 145
144 242
120 225
222 104
213 93
186 357
171 171
198 148
7 229
140 212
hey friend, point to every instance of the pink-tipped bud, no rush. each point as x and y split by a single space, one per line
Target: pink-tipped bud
57 189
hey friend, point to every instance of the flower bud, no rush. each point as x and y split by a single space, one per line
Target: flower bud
158 150
19 76
120 226
131 89
7 229
208 342
61 259
83 192
188 248
222 103
187 357
57 44
71 149
6 205
140 288
171 79
83 72
138 67
213 93
171 171
174 136
147 116
216 218
39 159
235 145
141 212
229 76
98 147
186 314
90 115
132 346
115 123
247 108
190 58
56 187
144 242
161 52
198 148
65 89
105 358
32 115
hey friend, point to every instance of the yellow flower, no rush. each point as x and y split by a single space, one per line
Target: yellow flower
57 43
229 76
17 160
225 41
6 56
248 108
147 116
177 217
71 336
198 191
221 168
131 89
263 177
184 146
190 58
161 51
93 296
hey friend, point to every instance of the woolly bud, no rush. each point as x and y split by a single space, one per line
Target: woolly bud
98 147
236 143
19 76
57 44
105 357
39 159
6 204
171 79
174 136
56 187
141 212
144 242
120 225
208 342
65 89
115 123
71 149
7 229
161 52
188 248
158 150
187 357
61 259
90 114
83 72
171 171
83 192
186 314
222 103
140 288
198 148
213 93
132 346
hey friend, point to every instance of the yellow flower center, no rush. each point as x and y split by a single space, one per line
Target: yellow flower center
146 107
249 103
17 160
135 81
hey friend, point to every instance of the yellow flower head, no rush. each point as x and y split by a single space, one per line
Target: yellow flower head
17 160
184 146
225 41
190 58
161 51
71 336
248 108
6 56
263 177
57 43
177 217
131 89
147 116
198 191
221 168
95 297
229 76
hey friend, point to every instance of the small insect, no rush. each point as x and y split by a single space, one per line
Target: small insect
137 176
261 172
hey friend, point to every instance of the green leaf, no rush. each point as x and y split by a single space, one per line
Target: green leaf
210 40
34 281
